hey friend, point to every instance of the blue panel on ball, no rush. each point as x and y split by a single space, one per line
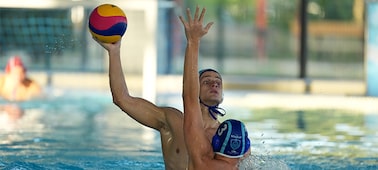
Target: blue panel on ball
117 29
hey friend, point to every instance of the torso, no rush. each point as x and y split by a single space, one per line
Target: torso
173 144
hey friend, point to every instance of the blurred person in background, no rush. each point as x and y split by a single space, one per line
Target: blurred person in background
15 86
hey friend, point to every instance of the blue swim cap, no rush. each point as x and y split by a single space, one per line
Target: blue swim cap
231 139
206 70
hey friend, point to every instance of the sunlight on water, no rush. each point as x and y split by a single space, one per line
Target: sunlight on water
87 131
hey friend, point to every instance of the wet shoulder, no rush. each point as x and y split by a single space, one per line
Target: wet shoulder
173 112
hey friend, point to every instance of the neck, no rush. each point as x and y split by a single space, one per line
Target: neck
206 114
214 110
208 121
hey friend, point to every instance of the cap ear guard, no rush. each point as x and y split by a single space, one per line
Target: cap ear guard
247 145
216 143
219 138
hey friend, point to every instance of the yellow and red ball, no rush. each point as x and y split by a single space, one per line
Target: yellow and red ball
107 23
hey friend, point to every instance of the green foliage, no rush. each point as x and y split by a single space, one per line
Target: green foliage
279 12
315 121
240 10
333 10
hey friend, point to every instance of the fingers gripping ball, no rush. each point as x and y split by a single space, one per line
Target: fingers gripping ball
107 23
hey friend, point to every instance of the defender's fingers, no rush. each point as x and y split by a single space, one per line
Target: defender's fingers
182 20
189 15
202 14
196 13
208 26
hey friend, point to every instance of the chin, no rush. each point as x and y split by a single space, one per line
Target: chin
216 100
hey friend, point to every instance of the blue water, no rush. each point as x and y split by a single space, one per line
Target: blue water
84 130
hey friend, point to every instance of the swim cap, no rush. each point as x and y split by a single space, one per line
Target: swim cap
208 69
231 139
13 62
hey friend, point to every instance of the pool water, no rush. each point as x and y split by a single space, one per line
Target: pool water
315 139
85 130
78 131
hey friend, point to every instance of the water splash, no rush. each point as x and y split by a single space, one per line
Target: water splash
262 163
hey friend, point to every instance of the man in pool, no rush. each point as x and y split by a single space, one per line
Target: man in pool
167 120
16 86
230 143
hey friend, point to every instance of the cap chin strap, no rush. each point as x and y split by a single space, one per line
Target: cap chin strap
214 110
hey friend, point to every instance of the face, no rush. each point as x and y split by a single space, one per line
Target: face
18 73
211 88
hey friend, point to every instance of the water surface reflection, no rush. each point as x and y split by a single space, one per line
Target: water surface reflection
323 138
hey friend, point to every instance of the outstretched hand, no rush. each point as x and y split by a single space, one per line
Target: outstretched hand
109 46
194 29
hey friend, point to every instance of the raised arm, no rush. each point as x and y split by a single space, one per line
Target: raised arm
137 108
196 141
